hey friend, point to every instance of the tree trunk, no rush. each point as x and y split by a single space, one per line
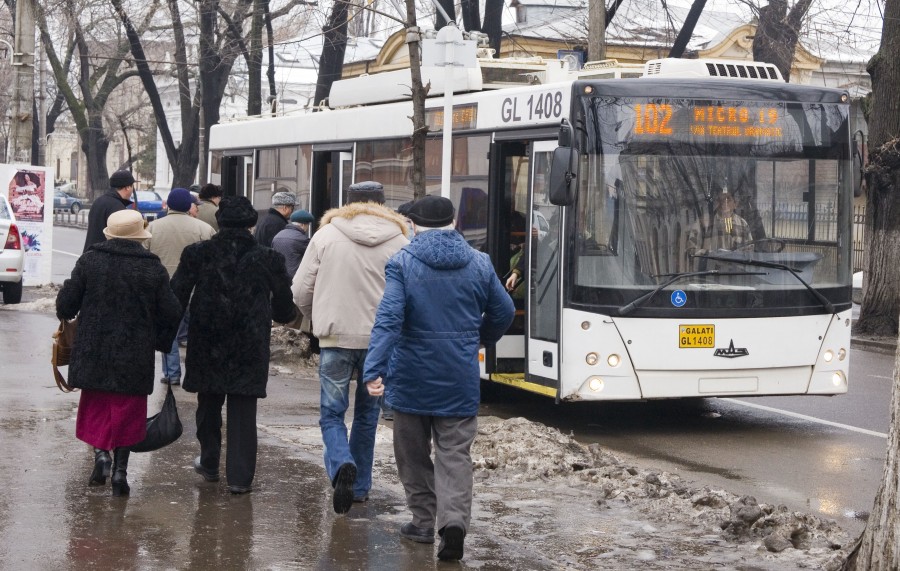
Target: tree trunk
334 46
419 93
881 302
449 7
493 23
778 32
270 44
879 547
94 145
470 16
596 30
254 61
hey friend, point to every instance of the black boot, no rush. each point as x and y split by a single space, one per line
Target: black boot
101 468
120 472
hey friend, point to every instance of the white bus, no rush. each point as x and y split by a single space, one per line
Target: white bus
685 234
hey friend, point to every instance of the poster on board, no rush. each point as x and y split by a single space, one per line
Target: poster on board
29 190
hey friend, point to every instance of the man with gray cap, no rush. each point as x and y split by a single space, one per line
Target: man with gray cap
442 300
171 235
276 219
338 286
118 198
293 240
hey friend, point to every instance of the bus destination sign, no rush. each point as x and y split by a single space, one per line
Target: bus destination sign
692 121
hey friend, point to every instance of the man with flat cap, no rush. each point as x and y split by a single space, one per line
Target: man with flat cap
118 198
293 240
442 299
235 289
275 219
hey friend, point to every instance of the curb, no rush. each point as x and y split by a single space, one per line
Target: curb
873 345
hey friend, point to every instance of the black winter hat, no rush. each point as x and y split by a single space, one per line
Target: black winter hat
431 212
121 179
236 212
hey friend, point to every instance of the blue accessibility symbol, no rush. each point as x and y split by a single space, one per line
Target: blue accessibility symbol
678 298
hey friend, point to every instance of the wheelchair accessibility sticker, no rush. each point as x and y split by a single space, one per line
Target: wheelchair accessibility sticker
678 298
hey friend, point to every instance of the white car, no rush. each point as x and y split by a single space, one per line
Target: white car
12 256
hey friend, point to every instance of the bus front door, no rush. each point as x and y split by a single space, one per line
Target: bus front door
542 276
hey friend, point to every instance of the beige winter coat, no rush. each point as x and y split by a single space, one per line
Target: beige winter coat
340 281
172 234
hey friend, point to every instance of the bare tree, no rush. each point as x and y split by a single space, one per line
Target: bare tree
97 78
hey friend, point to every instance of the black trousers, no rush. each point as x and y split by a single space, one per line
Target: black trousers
240 458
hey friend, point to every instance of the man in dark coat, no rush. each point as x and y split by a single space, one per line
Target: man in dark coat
275 219
118 198
238 288
293 240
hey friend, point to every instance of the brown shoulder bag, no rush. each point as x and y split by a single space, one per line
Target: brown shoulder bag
63 343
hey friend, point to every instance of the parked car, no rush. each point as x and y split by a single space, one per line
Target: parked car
65 201
12 255
149 203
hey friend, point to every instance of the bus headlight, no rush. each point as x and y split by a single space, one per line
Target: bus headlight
828 356
591 359
596 384
613 360
837 379
842 354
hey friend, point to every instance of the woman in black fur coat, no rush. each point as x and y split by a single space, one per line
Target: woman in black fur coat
126 311
235 288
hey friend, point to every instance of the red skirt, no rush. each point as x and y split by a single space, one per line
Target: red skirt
111 420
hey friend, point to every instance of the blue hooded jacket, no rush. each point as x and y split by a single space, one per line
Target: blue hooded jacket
442 298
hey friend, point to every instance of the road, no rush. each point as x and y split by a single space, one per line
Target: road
818 454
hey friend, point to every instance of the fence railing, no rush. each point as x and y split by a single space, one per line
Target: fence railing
860 243
66 218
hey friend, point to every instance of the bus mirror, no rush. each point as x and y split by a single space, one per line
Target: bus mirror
562 176
565 134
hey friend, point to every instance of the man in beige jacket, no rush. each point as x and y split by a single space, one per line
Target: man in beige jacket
171 235
338 285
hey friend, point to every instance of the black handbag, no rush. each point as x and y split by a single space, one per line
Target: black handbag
163 428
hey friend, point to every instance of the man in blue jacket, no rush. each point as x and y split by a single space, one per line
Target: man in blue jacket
442 299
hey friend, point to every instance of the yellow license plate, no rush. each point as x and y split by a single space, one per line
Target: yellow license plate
696 336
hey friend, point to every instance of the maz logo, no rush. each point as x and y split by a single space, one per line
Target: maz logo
731 352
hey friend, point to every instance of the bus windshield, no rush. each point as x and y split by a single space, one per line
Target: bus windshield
749 197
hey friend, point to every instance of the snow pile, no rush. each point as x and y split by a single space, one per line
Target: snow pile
516 450
290 347
40 298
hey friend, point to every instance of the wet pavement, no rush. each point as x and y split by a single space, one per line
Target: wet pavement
51 519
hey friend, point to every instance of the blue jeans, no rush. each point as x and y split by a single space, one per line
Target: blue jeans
336 366
171 363
182 334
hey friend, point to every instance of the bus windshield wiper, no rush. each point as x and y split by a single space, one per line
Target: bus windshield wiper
829 307
626 309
